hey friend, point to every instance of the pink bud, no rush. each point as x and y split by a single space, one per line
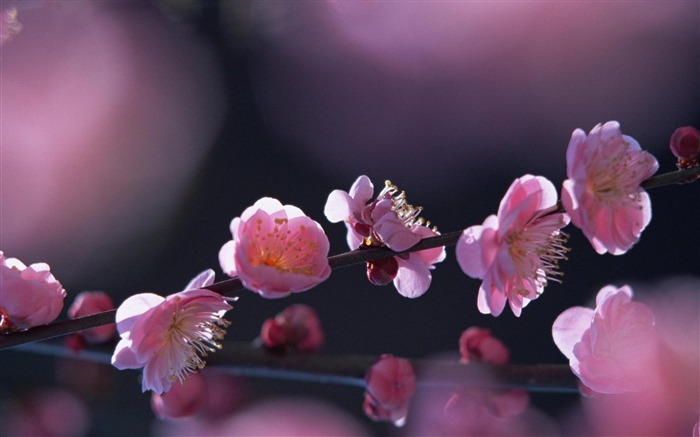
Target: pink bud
298 326
477 344
93 302
685 144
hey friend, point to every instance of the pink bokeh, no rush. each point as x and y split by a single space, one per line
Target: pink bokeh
106 114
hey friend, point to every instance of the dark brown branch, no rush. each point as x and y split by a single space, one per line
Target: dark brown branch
336 261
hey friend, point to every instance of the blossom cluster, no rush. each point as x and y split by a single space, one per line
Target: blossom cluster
276 250
387 221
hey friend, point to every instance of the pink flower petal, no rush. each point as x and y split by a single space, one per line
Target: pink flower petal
202 280
568 329
134 307
413 278
468 252
338 206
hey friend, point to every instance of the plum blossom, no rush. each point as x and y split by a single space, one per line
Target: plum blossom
613 348
276 250
92 302
29 296
168 337
517 251
391 384
298 326
602 194
387 221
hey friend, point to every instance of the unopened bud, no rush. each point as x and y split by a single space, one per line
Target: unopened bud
685 144
382 271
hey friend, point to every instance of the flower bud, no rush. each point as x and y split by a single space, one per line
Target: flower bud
382 271
685 145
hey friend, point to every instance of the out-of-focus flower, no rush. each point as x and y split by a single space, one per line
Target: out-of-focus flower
612 349
518 251
289 417
169 336
391 384
276 250
183 399
667 403
387 221
298 326
478 345
52 412
29 296
469 407
92 302
200 404
696 429
602 193
9 26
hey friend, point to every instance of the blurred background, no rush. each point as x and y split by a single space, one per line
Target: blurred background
132 132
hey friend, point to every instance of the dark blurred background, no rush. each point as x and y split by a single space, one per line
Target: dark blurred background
134 131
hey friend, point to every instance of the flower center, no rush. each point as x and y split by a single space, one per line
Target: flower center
283 249
191 336
408 214
613 176
536 253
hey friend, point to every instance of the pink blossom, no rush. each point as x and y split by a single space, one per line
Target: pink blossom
391 384
298 326
184 398
29 296
603 194
612 349
276 250
387 221
92 302
169 336
518 251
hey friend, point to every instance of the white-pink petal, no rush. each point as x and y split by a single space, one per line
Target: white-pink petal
568 329
413 278
202 280
134 307
468 252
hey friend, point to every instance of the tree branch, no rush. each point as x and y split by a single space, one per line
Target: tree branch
234 285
